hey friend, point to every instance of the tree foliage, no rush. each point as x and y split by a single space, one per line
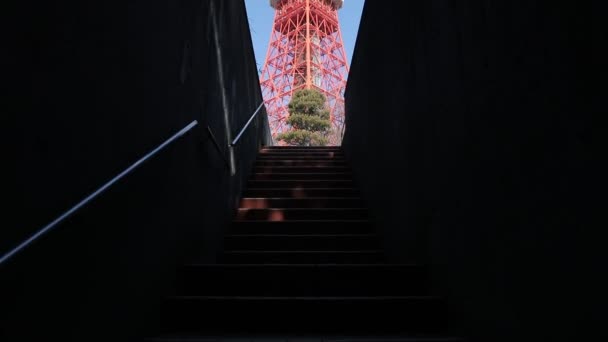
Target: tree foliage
309 119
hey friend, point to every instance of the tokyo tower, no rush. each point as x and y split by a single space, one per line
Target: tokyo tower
305 51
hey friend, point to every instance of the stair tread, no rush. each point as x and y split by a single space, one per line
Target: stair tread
264 164
303 173
299 338
302 209
301 193
309 173
303 338
297 227
369 251
333 162
304 221
309 189
302 153
297 170
299 280
279 181
315 221
294 183
293 314
297 199
301 176
297 256
300 169
281 214
305 298
303 235
304 265
309 160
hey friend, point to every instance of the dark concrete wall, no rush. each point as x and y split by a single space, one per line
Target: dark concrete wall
95 87
469 127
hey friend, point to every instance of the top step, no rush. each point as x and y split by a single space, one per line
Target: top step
306 148
325 154
300 150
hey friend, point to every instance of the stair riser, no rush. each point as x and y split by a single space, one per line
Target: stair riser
289 154
301 192
300 163
300 214
300 157
300 150
302 280
299 243
298 338
302 169
310 316
303 148
263 203
299 228
302 258
293 184
300 176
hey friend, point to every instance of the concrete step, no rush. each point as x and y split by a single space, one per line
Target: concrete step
287 214
302 257
301 162
355 315
324 157
302 280
289 154
300 169
302 176
302 192
300 338
299 183
301 148
324 242
302 227
311 202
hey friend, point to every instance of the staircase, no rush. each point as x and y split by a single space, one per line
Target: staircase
302 263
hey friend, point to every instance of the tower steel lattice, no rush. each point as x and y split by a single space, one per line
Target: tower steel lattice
305 51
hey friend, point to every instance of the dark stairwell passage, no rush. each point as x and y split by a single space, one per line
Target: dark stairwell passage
301 260
470 130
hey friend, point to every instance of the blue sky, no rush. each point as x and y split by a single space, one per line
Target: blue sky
260 20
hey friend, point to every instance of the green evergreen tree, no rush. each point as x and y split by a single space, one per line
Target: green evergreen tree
309 119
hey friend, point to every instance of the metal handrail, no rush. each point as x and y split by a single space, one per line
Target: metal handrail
238 137
96 193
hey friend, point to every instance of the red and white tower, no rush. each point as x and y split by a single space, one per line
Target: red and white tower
305 51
